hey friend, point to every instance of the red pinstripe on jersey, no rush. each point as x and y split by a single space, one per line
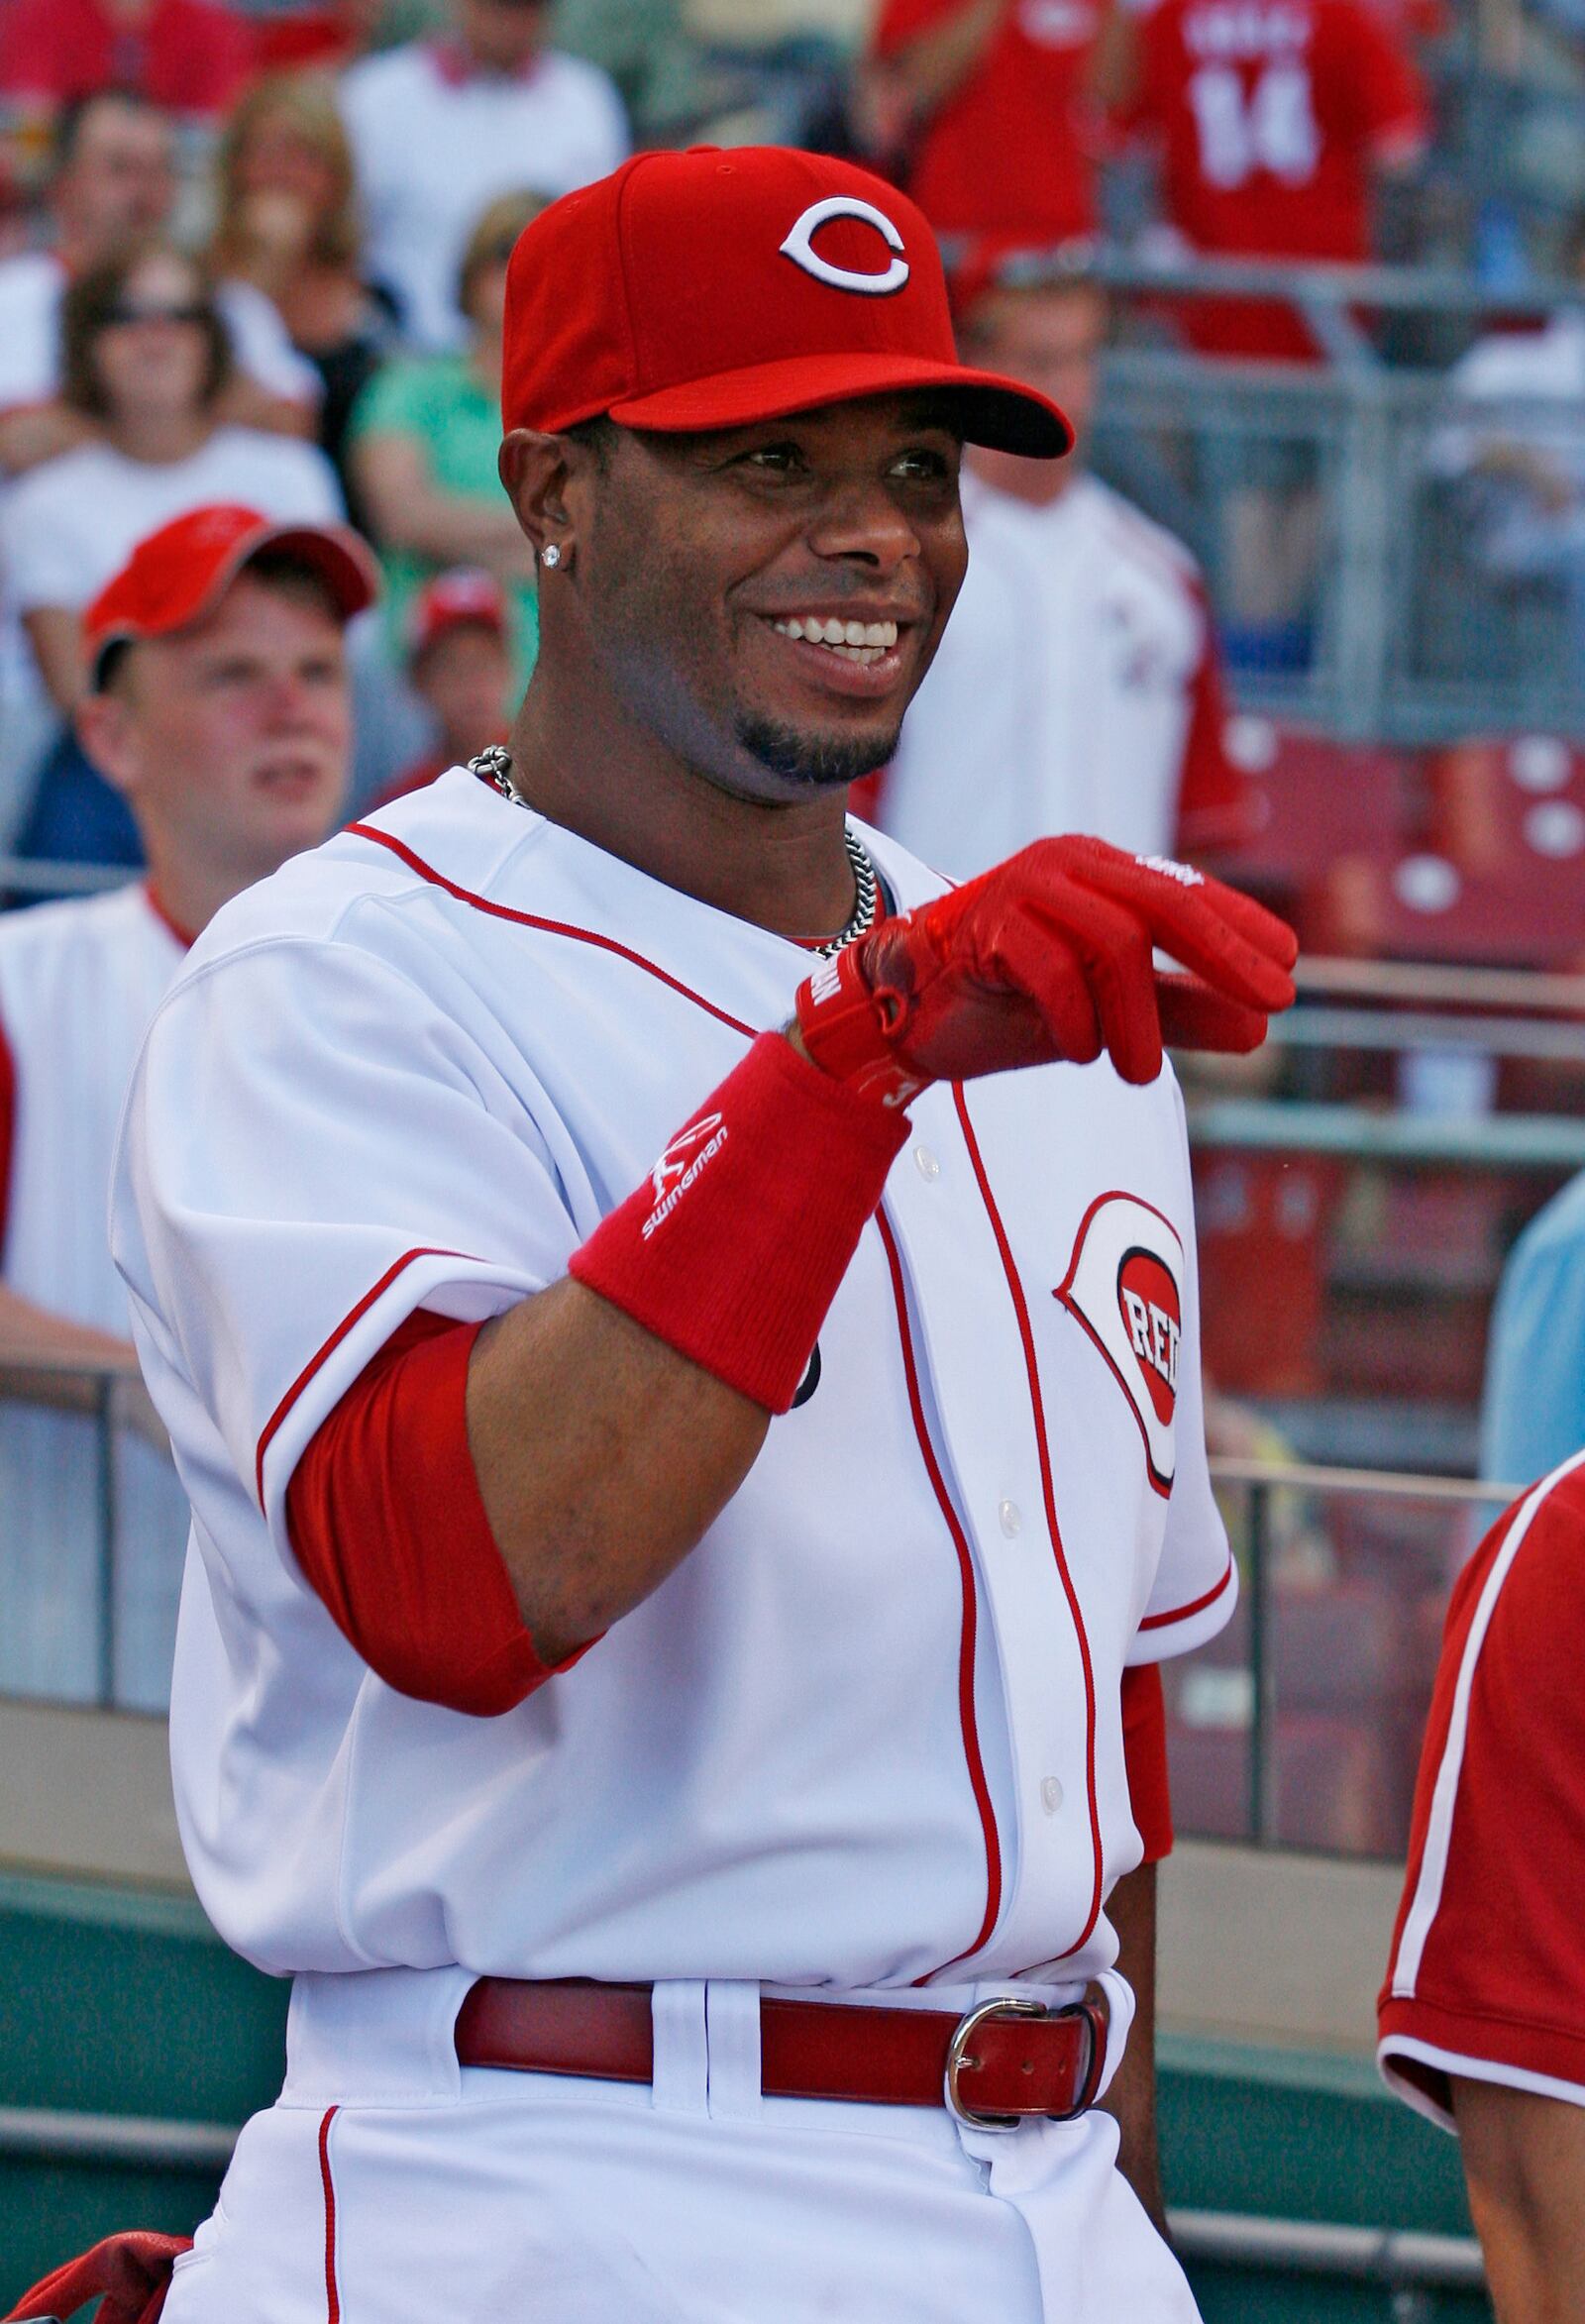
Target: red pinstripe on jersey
1020 1310
970 1628
322 1355
328 2183
529 919
1195 1604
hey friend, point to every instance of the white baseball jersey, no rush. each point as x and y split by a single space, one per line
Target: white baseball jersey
1075 689
80 982
868 1733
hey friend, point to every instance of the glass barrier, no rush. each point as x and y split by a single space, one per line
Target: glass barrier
1301 1724
1387 561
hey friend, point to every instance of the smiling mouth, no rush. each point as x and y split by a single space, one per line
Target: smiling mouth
861 642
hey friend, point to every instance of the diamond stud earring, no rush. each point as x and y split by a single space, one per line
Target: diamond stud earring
551 555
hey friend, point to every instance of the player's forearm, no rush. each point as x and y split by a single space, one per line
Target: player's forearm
1525 2164
603 1457
1131 2097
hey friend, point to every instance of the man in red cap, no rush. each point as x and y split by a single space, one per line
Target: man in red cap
219 709
459 666
682 1334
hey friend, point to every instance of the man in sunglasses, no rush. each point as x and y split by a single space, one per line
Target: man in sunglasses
682 1333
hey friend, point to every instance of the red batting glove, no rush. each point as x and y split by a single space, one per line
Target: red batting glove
1047 957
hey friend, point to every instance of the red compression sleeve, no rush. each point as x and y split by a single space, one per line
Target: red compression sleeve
1144 1752
732 1249
385 1520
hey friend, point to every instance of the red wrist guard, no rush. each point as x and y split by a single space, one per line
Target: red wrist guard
732 1249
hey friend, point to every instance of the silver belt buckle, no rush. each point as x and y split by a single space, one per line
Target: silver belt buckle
959 2057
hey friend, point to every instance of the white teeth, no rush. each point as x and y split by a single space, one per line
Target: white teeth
858 640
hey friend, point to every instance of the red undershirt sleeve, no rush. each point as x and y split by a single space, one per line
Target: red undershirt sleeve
386 1522
1145 1752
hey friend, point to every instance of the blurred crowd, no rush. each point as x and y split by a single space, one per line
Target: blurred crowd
255 252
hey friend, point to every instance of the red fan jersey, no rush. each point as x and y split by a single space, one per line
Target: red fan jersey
1010 150
1271 115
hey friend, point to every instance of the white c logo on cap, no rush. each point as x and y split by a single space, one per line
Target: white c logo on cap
800 246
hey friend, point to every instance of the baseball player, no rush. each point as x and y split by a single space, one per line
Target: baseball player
219 710
1081 669
680 1334
1483 2012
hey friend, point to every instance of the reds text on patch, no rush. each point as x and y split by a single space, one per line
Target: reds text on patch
1124 1287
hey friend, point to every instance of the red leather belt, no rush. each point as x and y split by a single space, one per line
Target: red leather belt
1001 2061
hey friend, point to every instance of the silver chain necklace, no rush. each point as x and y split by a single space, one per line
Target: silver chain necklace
494 766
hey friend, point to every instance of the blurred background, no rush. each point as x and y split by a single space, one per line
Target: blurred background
1312 275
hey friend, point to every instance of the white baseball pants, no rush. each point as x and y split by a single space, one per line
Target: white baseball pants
388 2185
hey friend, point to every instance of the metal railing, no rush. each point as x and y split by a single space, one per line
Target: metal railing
1255 1484
1423 601
100 1396
28 875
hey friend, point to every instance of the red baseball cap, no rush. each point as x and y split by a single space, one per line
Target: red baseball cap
713 288
462 598
178 574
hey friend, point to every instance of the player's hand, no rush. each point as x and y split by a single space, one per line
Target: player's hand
1048 956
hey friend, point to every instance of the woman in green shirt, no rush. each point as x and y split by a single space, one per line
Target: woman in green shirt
424 437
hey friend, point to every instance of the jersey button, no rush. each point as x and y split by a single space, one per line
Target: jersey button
1050 1794
1011 1517
925 1163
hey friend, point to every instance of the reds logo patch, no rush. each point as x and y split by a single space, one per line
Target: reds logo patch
1124 1287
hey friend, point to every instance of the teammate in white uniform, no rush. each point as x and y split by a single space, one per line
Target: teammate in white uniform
1080 679
640 1789
229 738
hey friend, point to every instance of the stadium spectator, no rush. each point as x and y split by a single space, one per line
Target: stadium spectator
423 445
1534 1412
981 107
440 127
218 707
288 226
146 360
1077 686
1518 465
188 57
112 186
459 666
326 36
648 51
1271 119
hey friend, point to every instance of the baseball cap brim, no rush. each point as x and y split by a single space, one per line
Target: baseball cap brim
994 411
139 604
